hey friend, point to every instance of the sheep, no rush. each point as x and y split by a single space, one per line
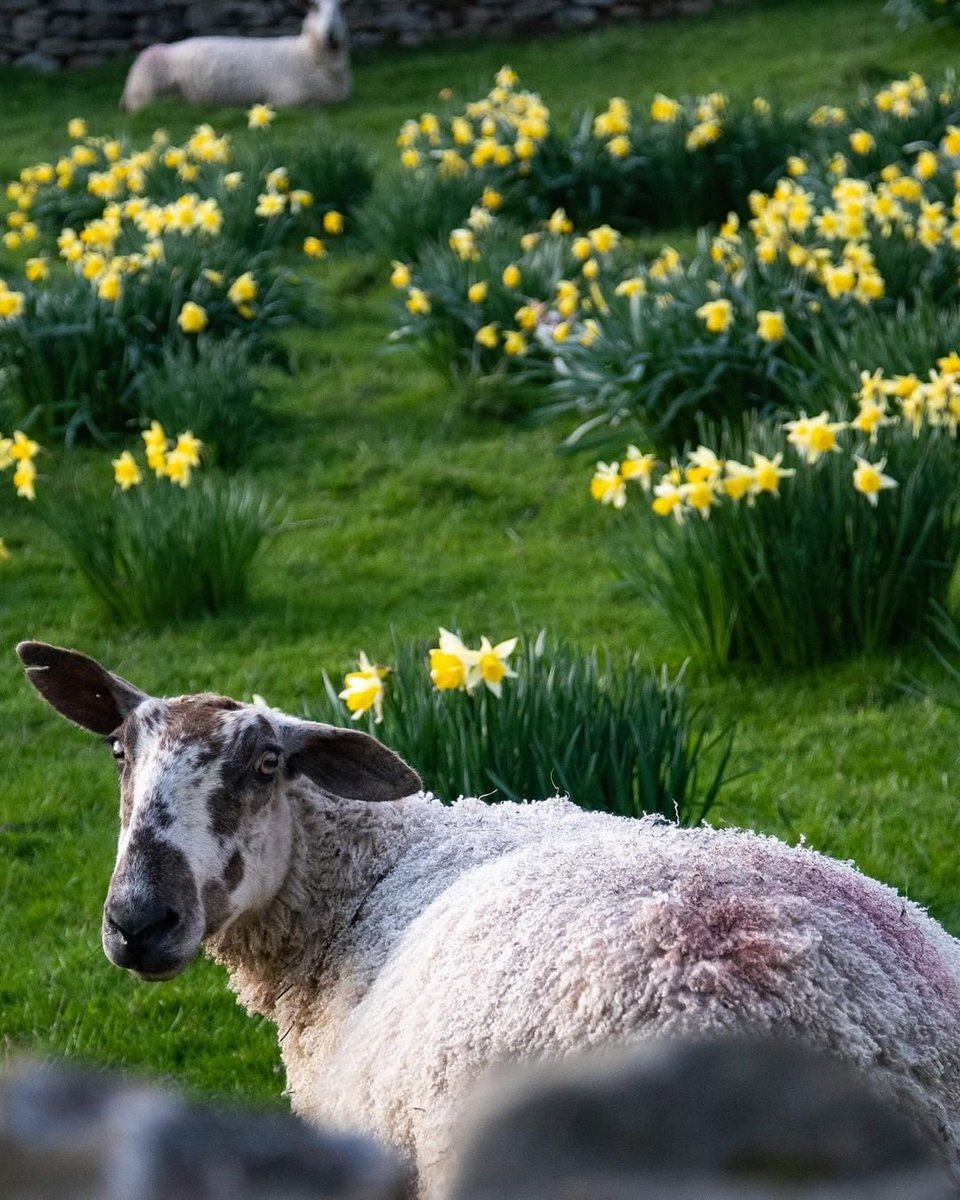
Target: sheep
403 946
312 68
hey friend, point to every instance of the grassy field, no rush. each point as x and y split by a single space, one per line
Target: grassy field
421 514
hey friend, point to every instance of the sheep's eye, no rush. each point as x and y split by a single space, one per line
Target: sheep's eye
116 749
267 764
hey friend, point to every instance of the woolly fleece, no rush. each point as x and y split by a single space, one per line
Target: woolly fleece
282 71
413 945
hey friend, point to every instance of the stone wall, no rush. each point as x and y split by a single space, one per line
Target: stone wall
50 34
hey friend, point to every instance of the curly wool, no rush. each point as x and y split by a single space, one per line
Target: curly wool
414 945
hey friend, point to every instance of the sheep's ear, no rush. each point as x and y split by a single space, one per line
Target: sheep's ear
78 687
346 762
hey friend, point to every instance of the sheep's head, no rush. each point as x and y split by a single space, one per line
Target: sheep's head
326 30
205 823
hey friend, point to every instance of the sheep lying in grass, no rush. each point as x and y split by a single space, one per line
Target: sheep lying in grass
402 946
313 68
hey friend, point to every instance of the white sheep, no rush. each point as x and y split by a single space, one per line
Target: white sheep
403 946
312 68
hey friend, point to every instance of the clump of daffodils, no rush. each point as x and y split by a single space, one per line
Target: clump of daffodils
452 665
130 234
20 452
455 667
174 459
503 129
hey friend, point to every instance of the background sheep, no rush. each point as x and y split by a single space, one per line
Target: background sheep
403 946
312 68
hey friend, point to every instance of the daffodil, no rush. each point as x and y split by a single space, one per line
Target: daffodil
491 666
638 466
514 343
178 469
511 276
477 292
260 116
767 472
243 289
126 472
270 204
24 478
400 275
364 689
607 485
188 448
668 500
487 336
76 128
109 287
193 317
869 480
12 305
418 302
36 269
451 662
862 142
22 448
717 315
664 109
313 247
814 436
771 326
333 222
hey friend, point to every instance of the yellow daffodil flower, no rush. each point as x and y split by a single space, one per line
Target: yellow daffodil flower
333 222
664 110
188 448
364 689
243 289
767 472
24 479
260 116
638 466
862 142
514 343
717 315
22 449
418 302
313 247
451 663
193 317
491 665
771 326
487 336
126 472
400 275
607 485
869 480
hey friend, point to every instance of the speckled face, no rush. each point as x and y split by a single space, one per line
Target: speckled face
204 834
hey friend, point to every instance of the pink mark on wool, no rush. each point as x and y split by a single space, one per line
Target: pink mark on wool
896 924
732 945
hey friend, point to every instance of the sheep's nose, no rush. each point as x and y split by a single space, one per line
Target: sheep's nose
139 924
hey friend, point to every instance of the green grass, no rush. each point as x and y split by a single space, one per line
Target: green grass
420 515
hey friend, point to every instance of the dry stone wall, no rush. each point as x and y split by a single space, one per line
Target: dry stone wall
48 35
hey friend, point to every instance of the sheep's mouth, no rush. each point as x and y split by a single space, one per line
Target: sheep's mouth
156 976
152 964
